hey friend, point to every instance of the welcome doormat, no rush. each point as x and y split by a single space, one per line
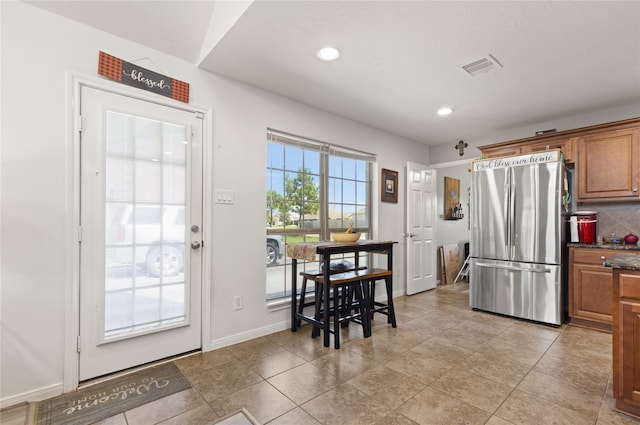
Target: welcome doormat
112 397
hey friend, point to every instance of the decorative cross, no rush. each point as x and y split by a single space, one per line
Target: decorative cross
460 146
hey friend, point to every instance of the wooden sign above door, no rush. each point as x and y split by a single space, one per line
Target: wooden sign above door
142 78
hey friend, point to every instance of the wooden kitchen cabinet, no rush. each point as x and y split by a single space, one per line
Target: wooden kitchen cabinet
571 142
590 288
626 341
499 151
534 145
609 165
566 146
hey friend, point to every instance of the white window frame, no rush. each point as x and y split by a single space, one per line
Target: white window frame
323 232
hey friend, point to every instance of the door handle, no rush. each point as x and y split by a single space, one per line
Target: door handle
409 235
515 269
195 245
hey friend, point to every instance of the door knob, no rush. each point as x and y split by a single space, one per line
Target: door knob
195 245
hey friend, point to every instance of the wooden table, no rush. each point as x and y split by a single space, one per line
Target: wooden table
309 250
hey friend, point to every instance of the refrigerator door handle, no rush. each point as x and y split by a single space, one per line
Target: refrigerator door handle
512 213
516 269
507 214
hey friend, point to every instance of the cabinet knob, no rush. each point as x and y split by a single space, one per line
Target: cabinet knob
602 257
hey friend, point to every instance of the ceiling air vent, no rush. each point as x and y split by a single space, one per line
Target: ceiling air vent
480 66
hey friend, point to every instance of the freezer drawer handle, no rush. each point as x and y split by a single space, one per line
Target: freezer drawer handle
515 269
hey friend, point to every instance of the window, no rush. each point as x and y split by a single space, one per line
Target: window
313 189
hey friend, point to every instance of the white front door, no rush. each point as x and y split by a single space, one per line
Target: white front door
421 216
141 231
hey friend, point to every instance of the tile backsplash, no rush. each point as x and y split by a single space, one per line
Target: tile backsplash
618 218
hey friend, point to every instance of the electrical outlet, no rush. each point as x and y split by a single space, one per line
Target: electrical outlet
237 302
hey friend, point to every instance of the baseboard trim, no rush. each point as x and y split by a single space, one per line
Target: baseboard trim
246 336
31 396
396 294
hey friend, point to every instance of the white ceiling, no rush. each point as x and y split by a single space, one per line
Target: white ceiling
401 60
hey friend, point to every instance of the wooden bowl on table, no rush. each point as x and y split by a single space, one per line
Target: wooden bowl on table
345 237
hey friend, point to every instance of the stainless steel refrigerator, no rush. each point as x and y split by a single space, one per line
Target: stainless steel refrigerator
517 237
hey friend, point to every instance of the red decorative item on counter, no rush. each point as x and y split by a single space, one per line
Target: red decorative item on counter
631 239
587 226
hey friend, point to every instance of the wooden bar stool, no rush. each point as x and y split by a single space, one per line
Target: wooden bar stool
312 275
349 303
370 293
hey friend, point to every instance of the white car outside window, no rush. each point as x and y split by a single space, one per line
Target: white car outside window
147 234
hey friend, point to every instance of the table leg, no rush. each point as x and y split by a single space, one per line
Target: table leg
391 315
294 290
325 289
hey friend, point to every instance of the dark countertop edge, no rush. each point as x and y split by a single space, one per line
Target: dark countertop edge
621 247
624 261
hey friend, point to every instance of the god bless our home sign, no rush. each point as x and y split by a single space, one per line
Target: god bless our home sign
142 78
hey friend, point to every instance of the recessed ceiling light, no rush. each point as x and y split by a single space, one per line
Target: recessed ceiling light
328 54
445 110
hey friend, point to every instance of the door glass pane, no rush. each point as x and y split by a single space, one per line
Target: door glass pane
145 198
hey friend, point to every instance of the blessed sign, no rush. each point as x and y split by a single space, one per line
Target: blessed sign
142 78
514 161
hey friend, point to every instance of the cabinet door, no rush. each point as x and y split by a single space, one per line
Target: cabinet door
501 151
629 346
590 288
626 340
591 293
609 165
565 145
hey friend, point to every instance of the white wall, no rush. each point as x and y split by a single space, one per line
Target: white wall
39 49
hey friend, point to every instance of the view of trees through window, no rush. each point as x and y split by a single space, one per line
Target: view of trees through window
313 189
301 197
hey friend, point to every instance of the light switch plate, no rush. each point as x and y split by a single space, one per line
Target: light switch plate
223 196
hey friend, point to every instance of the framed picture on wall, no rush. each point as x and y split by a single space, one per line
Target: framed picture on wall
389 186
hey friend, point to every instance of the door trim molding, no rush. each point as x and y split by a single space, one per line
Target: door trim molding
75 81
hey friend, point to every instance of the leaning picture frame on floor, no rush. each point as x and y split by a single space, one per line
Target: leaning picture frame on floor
389 186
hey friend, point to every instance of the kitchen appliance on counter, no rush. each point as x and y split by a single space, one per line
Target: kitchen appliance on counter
517 237
583 225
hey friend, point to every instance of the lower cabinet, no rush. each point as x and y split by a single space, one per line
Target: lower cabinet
590 288
626 341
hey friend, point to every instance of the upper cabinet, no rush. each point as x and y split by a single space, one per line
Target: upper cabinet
530 146
606 158
565 145
498 151
609 165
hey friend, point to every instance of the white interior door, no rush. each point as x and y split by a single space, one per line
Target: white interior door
421 214
141 219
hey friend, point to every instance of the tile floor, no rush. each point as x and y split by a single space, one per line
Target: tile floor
444 364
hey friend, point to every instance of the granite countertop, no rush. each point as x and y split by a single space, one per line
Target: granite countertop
624 261
622 246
